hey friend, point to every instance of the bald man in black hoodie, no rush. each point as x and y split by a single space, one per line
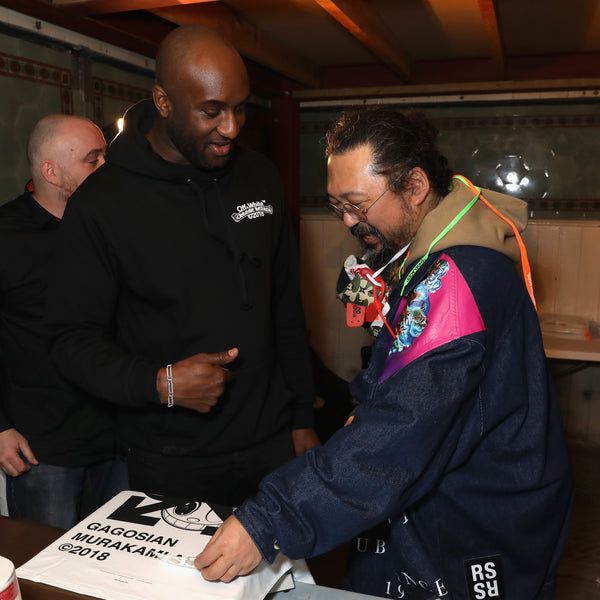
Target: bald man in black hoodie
182 303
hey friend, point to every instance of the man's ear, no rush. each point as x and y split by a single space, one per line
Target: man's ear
49 171
418 186
161 100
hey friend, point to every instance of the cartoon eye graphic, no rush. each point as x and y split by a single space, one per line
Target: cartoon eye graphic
194 516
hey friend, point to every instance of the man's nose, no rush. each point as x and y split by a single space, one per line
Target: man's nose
350 219
229 126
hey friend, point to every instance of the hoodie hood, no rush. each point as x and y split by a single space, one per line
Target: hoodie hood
479 226
131 150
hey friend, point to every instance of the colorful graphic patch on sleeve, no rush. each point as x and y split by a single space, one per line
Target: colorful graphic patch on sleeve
441 308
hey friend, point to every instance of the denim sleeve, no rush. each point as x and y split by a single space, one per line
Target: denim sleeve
401 441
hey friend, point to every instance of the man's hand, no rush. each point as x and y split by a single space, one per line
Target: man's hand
11 444
230 553
304 439
198 381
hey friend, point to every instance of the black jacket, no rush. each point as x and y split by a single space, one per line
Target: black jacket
159 261
63 425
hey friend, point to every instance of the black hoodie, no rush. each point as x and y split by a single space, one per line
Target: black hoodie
158 261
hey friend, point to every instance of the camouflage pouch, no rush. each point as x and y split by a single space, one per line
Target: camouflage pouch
361 290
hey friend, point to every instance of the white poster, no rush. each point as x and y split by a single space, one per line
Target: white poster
137 547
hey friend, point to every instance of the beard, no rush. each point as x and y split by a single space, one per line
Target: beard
192 150
374 256
379 255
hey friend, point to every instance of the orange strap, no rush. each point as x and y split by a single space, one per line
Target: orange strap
524 260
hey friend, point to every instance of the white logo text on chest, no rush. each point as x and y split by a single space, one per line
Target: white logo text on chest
252 210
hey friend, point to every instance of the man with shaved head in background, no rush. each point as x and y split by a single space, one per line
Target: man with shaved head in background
57 444
182 303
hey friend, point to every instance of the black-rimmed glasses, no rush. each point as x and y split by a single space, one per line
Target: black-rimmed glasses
360 214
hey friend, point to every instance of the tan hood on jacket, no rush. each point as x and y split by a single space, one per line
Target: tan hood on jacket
480 226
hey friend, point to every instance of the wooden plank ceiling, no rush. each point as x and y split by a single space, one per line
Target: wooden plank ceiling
315 45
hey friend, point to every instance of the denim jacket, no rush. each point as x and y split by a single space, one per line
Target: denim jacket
453 479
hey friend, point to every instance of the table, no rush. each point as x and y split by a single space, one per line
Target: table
581 352
21 539
571 348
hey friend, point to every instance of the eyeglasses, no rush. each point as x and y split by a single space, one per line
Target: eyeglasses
360 214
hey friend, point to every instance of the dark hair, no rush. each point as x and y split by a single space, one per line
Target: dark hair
399 143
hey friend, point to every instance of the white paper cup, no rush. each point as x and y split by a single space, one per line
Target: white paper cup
9 586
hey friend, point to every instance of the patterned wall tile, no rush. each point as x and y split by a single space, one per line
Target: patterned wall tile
39 78
35 82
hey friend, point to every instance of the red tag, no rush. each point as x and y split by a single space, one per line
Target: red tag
371 313
355 315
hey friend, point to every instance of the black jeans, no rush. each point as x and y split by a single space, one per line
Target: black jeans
226 480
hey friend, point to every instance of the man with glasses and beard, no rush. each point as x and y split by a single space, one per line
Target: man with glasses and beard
181 304
453 476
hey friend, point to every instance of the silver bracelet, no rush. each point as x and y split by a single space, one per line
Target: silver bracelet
170 401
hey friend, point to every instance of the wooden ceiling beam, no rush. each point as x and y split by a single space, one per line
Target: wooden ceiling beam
43 10
492 30
359 18
101 7
248 39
